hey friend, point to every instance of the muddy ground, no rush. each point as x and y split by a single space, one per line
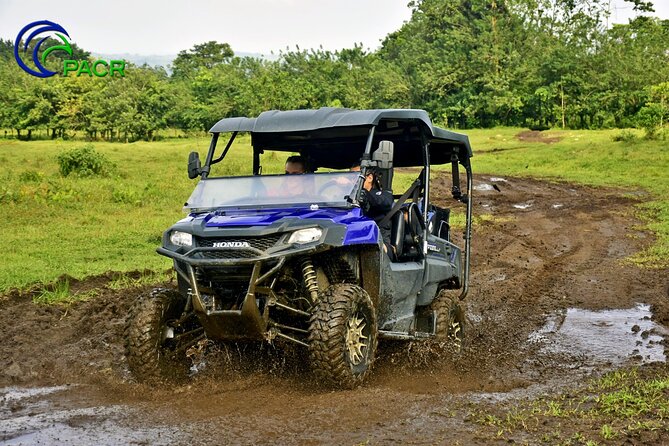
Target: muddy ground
543 254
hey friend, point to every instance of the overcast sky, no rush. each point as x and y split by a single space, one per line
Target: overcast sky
252 26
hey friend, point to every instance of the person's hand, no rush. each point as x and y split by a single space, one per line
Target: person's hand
367 185
362 201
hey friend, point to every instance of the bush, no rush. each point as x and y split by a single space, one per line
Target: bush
84 161
650 118
30 176
624 135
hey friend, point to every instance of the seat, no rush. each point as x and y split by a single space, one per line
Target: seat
413 231
439 223
414 219
397 234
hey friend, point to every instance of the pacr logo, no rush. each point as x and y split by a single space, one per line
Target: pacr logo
99 68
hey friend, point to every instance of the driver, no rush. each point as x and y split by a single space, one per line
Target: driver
293 183
295 165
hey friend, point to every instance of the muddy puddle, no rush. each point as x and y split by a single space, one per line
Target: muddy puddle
68 415
484 187
594 339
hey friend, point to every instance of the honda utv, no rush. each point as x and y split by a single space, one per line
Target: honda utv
294 257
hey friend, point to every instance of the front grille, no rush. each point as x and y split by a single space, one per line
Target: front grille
229 254
224 274
262 243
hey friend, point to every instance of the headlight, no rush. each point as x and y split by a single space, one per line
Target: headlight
305 236
181 238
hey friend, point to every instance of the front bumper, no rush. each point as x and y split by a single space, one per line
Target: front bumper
251 266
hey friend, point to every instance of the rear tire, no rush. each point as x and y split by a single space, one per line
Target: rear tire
343 336
450 323
152 355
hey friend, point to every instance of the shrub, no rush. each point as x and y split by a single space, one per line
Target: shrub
30 176
625 135
83 161
650 118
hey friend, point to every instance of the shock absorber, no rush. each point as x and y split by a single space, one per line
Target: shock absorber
310 281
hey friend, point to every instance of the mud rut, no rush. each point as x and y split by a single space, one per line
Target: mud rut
550 246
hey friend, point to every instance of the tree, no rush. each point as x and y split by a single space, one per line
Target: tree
205 55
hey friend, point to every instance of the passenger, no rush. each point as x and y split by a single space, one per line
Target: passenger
375 203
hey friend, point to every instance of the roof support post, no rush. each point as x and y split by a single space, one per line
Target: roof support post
366 156
426 188
256 161
468 231
210 156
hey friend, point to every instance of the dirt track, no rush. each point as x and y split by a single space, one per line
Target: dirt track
548 248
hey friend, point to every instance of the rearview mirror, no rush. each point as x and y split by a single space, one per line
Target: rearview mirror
194 165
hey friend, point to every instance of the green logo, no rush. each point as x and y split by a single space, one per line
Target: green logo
99 68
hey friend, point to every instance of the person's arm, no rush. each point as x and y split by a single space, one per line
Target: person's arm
378 201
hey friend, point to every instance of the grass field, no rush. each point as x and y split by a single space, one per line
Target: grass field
80 226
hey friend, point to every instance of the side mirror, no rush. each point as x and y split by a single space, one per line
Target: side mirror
384 155
383 158
194 165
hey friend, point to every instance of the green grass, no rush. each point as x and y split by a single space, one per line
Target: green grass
59 292
52 225
623 403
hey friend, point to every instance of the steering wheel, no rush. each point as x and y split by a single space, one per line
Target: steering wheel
327 186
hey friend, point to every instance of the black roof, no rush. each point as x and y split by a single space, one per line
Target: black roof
336 137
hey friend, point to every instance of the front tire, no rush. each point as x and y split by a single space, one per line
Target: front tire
151 347
343 336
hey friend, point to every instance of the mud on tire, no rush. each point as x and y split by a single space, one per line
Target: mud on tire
343 336
450 321
150 356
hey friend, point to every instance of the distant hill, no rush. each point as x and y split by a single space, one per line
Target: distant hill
163 60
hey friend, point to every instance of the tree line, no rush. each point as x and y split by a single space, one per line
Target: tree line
469 63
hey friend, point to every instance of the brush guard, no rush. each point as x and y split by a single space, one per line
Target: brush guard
251 319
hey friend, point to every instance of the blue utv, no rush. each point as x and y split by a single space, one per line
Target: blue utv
295 258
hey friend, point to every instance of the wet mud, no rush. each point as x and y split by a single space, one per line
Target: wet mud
552 303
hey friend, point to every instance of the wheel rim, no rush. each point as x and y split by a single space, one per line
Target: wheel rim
455 333
356 341
168 333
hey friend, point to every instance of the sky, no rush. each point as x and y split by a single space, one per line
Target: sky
249 26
